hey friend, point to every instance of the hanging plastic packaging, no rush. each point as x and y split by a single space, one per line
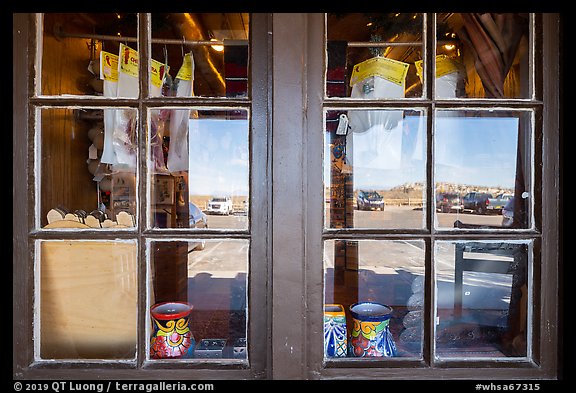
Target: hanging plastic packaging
449 77
125 137
180 118
157 76
376 78
109 73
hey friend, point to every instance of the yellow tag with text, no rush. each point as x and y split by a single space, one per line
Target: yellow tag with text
444 65
185 72
157 72
128 60
108 66
392 70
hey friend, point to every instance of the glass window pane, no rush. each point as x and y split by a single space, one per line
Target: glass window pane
88 299
356 69
71 53
200 285
483 55
482 299
375 168
87 168
385 280
216 70
482 169
199 160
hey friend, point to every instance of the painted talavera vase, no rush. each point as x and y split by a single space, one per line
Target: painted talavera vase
171 335
335 335
371 335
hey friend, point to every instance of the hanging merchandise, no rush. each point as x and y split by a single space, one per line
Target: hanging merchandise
109 73
125 138
180 118
376 78
449 77
157 75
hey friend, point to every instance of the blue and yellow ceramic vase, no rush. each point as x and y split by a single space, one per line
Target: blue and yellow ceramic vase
335 334
371 335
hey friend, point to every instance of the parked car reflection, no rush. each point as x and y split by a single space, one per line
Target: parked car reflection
508 213
449 201
370 200
477 202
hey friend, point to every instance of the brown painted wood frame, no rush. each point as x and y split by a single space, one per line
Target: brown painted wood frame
547 261
286 263
26 32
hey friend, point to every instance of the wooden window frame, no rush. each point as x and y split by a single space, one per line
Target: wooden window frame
287 229
26 364
299 83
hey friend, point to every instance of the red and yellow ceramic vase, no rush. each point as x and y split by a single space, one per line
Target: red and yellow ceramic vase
171 335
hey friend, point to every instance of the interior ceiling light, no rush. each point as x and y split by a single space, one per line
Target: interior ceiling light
217 48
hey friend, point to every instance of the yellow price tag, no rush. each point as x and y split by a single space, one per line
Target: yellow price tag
444 65
157 72
392 70
128 60
109 66
185 72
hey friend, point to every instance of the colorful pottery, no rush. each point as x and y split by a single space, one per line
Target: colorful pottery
171 337
371 335
335 341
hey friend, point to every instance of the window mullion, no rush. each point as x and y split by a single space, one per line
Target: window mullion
429 299
143 47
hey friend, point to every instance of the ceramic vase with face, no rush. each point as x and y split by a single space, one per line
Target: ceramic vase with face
335 340
371 335
171 335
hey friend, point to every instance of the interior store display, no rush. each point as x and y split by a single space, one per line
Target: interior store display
239 348
171 336
109 74
60 218
377 78
371 335
210 348
411 336
335 332
450 76
179 118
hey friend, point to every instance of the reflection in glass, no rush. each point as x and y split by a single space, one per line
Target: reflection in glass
374 168
199 160
389 273
481 169
217 70
483 55
88 299
481 302
355 69
88 168
211 277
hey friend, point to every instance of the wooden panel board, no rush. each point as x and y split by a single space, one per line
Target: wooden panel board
88 300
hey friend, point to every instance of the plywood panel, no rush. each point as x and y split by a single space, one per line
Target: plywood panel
88 299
